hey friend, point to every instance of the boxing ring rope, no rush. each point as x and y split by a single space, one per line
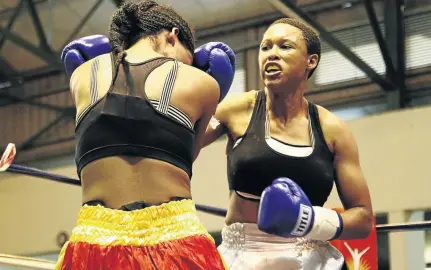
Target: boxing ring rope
396 227
15 168
26 262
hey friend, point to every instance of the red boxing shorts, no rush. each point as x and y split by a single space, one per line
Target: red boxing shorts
167 236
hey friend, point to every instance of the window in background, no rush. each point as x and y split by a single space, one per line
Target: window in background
421 101
335 68
356 112
418 32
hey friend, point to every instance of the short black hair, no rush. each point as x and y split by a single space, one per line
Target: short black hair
311 38
136 19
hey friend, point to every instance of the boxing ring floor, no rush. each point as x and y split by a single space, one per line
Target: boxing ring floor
353 250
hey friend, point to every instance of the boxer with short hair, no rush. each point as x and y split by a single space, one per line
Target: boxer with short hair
284 155
144 97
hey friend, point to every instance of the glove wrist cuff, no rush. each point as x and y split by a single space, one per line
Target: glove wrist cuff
327 225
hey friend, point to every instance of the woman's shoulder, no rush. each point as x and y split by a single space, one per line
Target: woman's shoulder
334 127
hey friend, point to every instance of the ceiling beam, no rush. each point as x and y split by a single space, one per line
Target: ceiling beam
383 45
27 144
15 100
12 20
46 56
81 24
268 18
43 43
395 35
55 91
5 68
288 8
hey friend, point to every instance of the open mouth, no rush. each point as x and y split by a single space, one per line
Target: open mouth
272 69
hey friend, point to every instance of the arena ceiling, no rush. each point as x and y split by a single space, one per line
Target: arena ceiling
33 32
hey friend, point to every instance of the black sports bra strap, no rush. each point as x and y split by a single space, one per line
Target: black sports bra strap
311 124
129 79
315 121
261 118
266 121
257 116
112 68
168 87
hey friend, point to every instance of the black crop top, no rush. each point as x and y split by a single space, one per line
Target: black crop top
257 159
125 122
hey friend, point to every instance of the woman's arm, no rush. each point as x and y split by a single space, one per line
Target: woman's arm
351 185
209 104
214 131
220 123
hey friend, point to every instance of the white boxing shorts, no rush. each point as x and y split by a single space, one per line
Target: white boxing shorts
245 247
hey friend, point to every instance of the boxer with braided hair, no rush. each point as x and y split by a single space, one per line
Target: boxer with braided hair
144 97
145 19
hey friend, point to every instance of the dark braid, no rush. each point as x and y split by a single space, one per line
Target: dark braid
136 19
312 40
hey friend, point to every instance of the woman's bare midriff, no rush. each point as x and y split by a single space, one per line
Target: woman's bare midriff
241 210
118 181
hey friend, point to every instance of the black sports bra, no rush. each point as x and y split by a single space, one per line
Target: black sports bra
125 122
257 159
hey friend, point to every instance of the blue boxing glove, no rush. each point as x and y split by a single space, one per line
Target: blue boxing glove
218 60
81 50
286 211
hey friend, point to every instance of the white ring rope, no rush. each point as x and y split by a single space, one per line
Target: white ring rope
27 262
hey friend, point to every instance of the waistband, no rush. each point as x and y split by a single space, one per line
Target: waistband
248 236
132 206
143 227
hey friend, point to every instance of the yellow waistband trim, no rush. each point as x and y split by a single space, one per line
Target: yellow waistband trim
144 227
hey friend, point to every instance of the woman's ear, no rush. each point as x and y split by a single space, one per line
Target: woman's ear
175 31
173 36
313 60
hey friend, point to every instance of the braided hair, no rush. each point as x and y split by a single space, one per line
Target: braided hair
312 40
134 20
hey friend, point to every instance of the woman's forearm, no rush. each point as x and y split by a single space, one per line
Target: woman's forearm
357 223
213 132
